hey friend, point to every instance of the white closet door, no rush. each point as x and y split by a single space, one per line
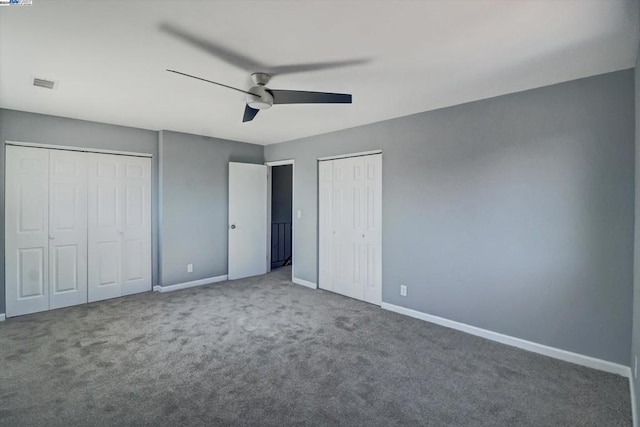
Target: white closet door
325 224
26 230
136 225
67 228
372 229
119 226
344 251
350 197
105 228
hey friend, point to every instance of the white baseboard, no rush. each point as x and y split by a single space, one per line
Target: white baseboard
185 285
556 353
634 414
304 283
3 317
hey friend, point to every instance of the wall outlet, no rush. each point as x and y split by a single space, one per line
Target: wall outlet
635 367
189 268
403 290
299 213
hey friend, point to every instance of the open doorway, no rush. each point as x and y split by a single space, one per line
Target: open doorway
281 214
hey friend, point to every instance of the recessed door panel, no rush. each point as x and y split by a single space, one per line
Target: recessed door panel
64 269
134 260
31 273
26 230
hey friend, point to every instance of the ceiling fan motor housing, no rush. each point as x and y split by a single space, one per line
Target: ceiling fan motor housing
260 99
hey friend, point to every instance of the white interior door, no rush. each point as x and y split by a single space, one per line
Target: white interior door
247 220
372 228
350 211
136 225
67 228
105 227
119 226
26 230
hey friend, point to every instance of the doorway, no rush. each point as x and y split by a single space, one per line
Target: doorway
281 215
280 241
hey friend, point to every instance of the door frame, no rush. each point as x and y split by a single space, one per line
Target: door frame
336 157
270 165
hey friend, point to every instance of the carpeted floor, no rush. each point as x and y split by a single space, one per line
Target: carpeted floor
262 351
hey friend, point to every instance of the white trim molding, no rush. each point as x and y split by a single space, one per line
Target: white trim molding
192 284
306 283
634 414
556 353
3 317
280 162
344 156
73 148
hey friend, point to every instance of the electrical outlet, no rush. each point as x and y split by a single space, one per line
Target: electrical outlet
635 367
403 290
189 268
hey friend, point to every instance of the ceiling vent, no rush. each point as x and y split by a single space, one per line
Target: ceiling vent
47 84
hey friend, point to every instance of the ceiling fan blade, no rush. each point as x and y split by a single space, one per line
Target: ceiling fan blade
249 114
211 81
224 53
315 66
303 97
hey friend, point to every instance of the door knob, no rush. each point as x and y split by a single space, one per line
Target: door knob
52 237
233 226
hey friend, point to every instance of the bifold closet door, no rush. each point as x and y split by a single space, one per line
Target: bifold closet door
26 230
67 228
119 225
350 210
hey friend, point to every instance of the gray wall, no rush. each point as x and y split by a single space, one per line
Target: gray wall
43 129
635 347
194 203
513 214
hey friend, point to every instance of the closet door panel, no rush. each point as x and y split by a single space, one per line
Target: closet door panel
344 253
325 224
26 230
136 225
67 228
105 226
372 229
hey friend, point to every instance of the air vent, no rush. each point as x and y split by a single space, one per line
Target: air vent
47 84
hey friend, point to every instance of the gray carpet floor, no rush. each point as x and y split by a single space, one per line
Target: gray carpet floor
263 351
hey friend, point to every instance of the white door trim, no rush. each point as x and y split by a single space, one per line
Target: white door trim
344 156
293 212
73 148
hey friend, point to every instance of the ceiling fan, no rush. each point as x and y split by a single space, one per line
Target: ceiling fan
260 97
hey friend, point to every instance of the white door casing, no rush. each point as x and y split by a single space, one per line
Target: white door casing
26 230
247 229
350 210
67 228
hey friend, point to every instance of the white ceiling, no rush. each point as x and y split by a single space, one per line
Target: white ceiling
109 57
